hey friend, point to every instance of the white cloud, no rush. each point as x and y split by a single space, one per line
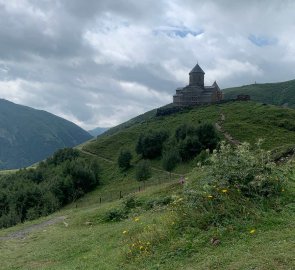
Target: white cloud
102 63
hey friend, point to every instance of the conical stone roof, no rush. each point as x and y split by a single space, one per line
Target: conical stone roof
197 69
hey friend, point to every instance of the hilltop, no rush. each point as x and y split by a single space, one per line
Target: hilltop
245 121
280 94
28 135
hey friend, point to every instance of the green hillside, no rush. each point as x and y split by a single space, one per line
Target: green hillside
245 121
281 94
28 135
158 223
97 131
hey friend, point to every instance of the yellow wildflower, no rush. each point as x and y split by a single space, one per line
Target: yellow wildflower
136 219
141 247
252 231
283 190
124 232
209 196
224 190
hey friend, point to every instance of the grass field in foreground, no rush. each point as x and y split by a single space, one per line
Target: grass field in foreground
87 242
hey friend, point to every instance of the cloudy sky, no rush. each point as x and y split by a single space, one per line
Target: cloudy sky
101 62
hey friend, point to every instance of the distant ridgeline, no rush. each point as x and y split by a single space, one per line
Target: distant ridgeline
28 135
280 94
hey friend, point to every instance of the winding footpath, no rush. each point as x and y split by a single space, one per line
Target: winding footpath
21 234
111 161
219 127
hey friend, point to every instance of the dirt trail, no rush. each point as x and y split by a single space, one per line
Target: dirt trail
94 155
111 161
220 128
33 228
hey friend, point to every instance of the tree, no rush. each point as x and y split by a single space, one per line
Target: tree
170 160
143 170
150 145
189 147
208 136
124 159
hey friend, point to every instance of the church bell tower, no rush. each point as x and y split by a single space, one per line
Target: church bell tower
196 76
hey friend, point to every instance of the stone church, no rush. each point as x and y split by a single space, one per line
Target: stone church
196 93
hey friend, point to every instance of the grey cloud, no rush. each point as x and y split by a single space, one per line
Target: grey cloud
100 62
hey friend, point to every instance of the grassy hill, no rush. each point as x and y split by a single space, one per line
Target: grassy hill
281 94
245 121
151 228
28 135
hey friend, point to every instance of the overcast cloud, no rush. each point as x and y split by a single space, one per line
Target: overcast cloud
99 63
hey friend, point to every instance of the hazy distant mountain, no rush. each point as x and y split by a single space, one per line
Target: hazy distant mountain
28 135
97 131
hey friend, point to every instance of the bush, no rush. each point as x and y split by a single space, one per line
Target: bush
251 172
150 145
124 159
170 160
190 141
189 147
236 184
202 158
116 214
183 131
208 136
161 201
130 202
143 170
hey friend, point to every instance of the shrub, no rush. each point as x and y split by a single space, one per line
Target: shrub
208 136
202 158
116 214
143 170
150 145
251 172
189 147
236 183
191 141
183 131
161 201
130 202
124 159
170 160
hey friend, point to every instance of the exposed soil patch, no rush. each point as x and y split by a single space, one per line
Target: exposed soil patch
220 128
33 228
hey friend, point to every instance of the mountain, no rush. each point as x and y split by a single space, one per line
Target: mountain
28 135
97 131
281 94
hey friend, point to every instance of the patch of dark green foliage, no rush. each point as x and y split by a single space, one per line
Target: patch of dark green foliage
143 170
31 193
124 159
131 203
150 145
